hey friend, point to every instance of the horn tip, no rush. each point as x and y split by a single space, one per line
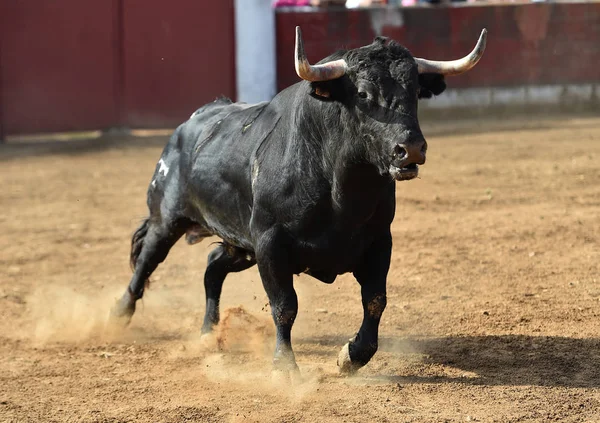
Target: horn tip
482 39
298 35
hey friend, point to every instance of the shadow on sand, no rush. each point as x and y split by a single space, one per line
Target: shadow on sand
75 147
496 360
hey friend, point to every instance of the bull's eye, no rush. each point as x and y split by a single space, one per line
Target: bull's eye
363 94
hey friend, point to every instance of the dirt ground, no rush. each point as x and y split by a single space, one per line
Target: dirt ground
493 307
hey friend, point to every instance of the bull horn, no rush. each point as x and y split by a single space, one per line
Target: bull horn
454 67
324 72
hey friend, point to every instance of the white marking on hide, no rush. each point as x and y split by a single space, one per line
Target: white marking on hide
163 167
154 183
254 172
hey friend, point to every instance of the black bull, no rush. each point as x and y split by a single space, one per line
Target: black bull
304 183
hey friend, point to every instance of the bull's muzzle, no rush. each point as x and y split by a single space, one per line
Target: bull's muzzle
405 159
409 153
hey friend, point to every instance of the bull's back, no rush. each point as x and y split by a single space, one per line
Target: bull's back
218 143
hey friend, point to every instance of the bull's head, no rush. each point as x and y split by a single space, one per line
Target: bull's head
379 86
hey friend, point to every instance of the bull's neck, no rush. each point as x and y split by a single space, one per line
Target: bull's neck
357 191
357 186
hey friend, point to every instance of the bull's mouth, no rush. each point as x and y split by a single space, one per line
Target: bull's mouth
405 173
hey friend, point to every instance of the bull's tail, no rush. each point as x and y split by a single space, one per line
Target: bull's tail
137 243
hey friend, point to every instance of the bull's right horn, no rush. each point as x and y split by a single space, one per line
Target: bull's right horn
454 67
324 72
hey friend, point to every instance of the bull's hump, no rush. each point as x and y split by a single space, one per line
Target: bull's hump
225 124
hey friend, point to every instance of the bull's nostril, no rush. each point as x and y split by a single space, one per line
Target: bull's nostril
424 148
400 152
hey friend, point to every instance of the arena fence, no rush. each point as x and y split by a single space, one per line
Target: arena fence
70 65
538 54
77 65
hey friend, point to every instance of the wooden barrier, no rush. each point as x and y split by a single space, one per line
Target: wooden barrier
176 58
58 67
78 65
73 65
540 45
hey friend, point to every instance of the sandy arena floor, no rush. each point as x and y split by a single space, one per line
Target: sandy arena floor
493 309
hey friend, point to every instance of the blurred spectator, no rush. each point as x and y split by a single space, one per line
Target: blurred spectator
347 3
281 3
364 3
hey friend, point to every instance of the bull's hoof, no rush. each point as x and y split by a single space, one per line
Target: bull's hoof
345 363
284 378
121 314
285 371
209 341
118 320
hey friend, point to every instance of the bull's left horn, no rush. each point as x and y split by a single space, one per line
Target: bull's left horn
454 67
324 72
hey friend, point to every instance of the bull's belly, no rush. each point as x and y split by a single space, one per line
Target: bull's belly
228 222
331 256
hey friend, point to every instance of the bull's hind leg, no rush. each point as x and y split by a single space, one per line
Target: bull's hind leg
222 260
150 245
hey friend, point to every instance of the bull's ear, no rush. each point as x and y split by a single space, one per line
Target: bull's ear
322 90
431 84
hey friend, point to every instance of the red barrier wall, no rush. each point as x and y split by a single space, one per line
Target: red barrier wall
94 64
543 43
176 58
75 65
58 65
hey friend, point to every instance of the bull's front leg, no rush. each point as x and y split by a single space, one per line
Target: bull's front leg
272 256
371 274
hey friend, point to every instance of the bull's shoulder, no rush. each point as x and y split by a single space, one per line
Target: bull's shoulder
223 108
242 129
222 123
211 108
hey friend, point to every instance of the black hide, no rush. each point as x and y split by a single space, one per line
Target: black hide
303 183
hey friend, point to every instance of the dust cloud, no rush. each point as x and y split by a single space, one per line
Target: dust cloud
60 314
239 353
